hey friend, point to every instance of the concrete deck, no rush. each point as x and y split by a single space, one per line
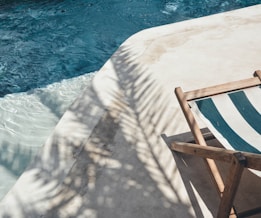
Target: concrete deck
107 156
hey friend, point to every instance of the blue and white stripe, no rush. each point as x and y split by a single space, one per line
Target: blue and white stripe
234 118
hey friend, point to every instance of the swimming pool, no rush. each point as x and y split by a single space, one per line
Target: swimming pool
49 50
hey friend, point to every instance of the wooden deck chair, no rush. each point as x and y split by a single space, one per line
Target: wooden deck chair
232 112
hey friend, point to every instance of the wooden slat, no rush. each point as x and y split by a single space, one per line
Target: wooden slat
210 163
189 117
220 154
223 88
233 179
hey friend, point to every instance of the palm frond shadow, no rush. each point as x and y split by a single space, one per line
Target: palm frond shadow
7 158
119 167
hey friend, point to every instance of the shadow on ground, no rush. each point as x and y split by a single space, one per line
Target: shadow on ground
194 173
109 160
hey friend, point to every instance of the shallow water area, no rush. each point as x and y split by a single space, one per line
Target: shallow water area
27 119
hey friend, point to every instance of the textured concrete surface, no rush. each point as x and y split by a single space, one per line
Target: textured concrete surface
108 155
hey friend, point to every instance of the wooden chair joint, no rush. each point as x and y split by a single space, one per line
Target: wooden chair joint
240 159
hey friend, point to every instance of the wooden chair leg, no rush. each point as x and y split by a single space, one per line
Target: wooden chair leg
231 185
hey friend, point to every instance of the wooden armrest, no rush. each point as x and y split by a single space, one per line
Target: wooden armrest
221 154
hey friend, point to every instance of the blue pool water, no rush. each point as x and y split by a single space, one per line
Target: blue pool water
49 51
42 42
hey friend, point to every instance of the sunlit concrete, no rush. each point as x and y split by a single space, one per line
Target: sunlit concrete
108 155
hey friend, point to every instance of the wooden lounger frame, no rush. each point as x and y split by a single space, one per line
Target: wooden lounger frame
238 160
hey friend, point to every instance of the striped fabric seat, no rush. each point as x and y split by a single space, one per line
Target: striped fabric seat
234 118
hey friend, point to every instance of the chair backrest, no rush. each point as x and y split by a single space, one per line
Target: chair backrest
231 111
234 118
